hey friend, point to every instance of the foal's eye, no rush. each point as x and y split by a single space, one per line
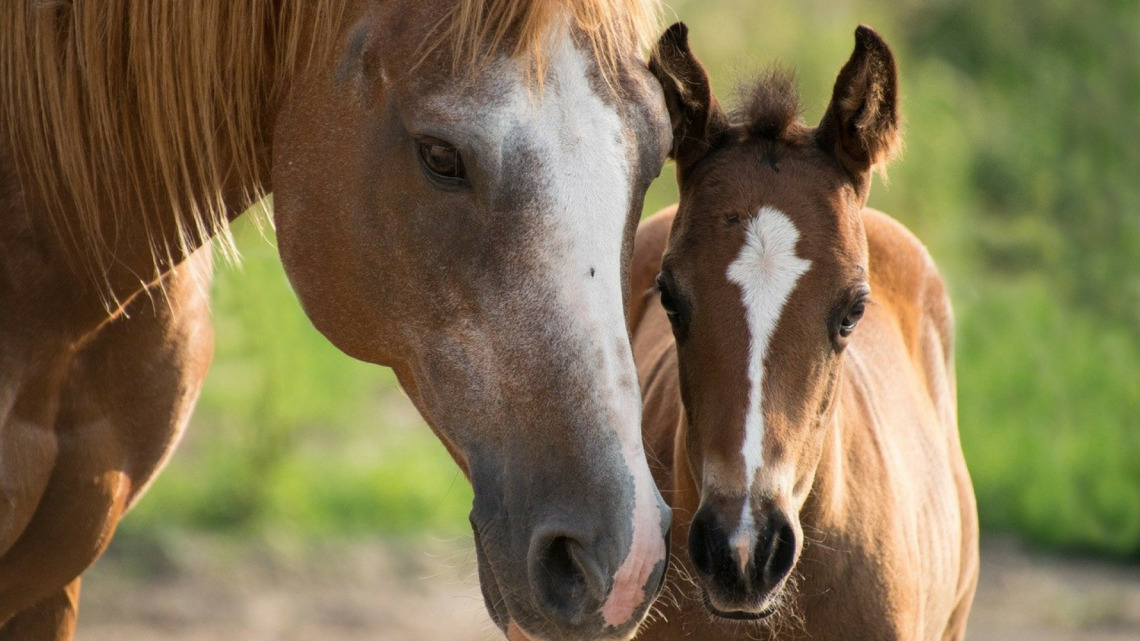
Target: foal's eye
442 160
847 325
669 302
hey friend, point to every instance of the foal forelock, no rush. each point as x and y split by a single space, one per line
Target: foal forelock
766 270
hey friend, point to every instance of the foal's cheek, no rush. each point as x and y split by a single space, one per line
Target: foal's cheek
808 465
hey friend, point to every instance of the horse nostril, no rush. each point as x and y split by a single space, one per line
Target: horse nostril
567 581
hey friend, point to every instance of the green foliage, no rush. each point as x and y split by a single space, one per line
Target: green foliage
1048 404
1055 154
1047 280
1020 173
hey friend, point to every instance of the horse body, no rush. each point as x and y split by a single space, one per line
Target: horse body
429 219
882 540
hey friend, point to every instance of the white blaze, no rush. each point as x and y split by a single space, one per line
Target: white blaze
583 199
766 270
596 179
585 150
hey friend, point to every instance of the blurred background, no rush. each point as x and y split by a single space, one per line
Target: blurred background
305 470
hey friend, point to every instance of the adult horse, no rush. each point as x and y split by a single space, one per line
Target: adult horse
457 184
797 374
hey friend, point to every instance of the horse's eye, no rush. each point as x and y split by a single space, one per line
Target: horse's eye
852 318
442 160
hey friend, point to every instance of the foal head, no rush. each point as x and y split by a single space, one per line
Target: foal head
764 281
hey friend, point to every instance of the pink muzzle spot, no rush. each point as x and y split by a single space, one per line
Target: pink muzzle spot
629 592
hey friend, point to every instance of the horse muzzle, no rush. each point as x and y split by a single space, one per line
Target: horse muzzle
572 582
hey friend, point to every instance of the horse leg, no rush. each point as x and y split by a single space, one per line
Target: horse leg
125 401
52 619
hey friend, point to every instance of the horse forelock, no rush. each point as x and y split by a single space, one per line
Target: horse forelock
477 31
122 106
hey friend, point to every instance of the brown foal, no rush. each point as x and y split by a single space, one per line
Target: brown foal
795 358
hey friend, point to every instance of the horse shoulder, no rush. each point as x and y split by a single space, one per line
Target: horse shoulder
648 247
121 402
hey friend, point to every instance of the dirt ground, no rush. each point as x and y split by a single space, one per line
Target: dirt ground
201 589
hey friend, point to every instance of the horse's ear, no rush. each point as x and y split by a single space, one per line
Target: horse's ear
699 124
861 125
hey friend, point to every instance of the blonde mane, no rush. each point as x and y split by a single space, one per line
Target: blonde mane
115 107
476 29
122 105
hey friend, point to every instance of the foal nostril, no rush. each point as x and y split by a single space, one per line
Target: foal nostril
711 553
776 555
566 578
702 544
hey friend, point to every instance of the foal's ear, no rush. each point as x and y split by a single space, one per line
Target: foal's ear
699 124
861 126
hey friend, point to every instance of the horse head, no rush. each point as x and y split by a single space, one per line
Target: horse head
472 228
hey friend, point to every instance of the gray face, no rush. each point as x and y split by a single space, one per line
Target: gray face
474 235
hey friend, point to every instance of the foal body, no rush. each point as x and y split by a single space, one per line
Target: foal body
859 522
